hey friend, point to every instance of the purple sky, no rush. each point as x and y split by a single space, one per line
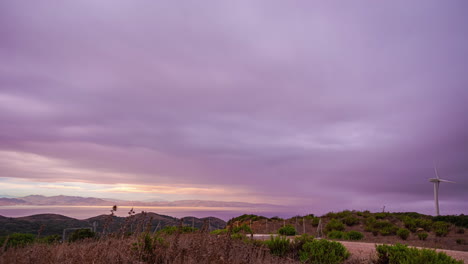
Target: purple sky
321 106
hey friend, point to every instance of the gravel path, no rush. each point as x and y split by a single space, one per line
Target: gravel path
366 251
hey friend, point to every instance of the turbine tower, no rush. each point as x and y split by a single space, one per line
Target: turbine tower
436 182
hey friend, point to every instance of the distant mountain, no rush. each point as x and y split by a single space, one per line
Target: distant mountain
91 201
11 201
50 224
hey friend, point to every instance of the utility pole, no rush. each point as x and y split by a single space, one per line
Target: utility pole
303 225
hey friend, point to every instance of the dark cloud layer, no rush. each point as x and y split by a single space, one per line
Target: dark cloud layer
317 104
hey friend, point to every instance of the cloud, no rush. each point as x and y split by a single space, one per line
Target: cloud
300 104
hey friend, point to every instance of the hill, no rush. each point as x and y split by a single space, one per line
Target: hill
50 224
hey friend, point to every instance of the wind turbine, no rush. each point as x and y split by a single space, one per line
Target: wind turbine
436 182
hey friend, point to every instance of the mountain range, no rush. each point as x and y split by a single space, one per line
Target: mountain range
51 224
91 201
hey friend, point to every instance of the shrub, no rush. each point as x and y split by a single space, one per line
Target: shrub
81 234
287 230
168 230
351 220
323 252
278 245
315 221
353 235
460 231
50 239
300 241
441 228
424 224
461 241
402 254
18 240
238 236
410 223
335 234
422 236
219 231
242 229
403 233
334 224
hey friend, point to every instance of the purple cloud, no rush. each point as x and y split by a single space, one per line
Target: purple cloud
319 105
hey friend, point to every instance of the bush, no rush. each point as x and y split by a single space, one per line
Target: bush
334 224
287 230
219 231
50 239
461 241
353 235
278 245
441 228
323 252
402 254
242 229
17 240
460 231
403 233
315 221
300 241
351 220
335 234
81 234
422 236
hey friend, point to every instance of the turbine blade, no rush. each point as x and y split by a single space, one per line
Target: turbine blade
436 172
446 181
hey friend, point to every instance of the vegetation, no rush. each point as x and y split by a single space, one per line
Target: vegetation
279 245
17 240
81 234
323 252
287 230
457 220
351 220
335 234
402 254
334 224
403 233
441 229
422 236
353 235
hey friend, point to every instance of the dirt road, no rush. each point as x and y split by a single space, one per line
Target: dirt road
366 251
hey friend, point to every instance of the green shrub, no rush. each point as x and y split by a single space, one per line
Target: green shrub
81 234
219 231
353 235
242 229
323 252
315 221
287 230
238 236
410 223
351 220
402 254
424 224
50 239
17 240
334 224
422 236
440 228
403 233
335 234
300 241
458 220
278 245
461 241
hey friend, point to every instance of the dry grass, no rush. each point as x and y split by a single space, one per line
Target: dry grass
177 248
